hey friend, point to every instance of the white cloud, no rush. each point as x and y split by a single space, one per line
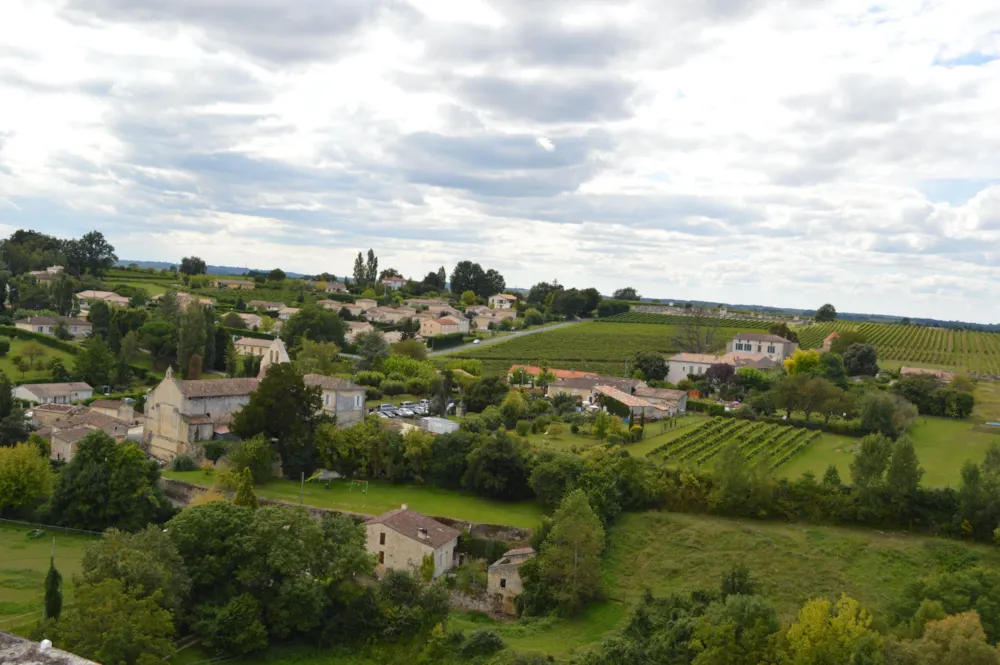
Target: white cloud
759 152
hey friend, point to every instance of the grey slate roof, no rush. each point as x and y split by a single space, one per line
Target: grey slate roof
408 522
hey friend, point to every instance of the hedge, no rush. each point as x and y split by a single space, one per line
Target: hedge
705 406
448 341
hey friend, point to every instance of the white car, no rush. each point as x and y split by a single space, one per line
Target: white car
475 341
404 413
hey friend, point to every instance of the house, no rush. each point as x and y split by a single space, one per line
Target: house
354 308
483 321
390 314
429 303
286 313
637 405
533 372
394 283
672 402
341 398
436 425
49 276
393 337
502 301
118 429
582 388
114 408
233 284
47 415
266 305
356 327
402 538
335 305
63 443
251 346
681 365
366 303
91 296
47 325
828 340
54 393
435 327
463 323
774 347
185 299
336 287
503 579
251 321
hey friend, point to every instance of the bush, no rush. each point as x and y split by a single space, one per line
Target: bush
704 406
556 430
207 467
368 378
417 386
372 393
393 387
183 463
614 439
214 450
4 347
254 454
539 424
482 642
575 428
523 427
636 432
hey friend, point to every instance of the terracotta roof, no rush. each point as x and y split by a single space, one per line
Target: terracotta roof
72 435
408 522
759 337
505 296
252 341
623 397
559 373
330 382
57 408
106 404
217 388
446 322
832 336
55 389
92 418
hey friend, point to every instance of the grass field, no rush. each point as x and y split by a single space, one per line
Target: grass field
23 564
921 346
987 400
16 345
382 497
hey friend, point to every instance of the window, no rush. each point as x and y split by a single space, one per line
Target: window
381 539
326 399
758 348
770 349
381 557
503 583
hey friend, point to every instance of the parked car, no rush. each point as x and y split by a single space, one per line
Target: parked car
407 405
424 402
383 415
475 341
404 413
386 407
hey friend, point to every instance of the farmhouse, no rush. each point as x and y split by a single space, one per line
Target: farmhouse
251 321
637 405
672 402
354 308
54 393
266 305
774 347
390 314
532 371
335 287
582 388
683 364
828 340
115 408
341 398
366 303
286 313
402 538
46 415
502 301
47 325
354 328
233 284
91 296
503 579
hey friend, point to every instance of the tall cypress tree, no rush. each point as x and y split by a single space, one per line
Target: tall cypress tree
53 590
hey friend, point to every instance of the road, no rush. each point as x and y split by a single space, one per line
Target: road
501 338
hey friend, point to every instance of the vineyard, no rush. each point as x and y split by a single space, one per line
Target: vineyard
758 441
678 320
959 350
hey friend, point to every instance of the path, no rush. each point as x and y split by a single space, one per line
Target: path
502 338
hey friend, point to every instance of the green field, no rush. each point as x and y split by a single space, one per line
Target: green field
382 497
23 564
921 346
594 346
16 346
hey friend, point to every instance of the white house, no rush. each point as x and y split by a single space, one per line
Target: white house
774 347
341 398
394 283
502 301
683 364
402 538
286 313
54 393
47 325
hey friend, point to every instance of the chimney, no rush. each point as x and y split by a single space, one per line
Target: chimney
422 533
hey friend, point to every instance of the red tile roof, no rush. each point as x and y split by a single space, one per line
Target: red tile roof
559 373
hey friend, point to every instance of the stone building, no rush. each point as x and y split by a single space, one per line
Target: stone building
401 539
503 581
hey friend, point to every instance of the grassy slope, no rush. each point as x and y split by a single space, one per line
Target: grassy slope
15 350
382 497
23 564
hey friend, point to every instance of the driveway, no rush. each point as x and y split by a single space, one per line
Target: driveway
502 338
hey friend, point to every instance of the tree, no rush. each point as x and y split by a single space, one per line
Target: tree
782 330
886 413
861 360
903 477
410 348
20 364
570 302
191 340
532 317
466 277
498 468
245 496
957 640
95 363
159 338
469 298
803 362
32 351
826 634
108 624
652 365
359 271
570 560
316 323
541 294
146 562
697 331
826 313
283 408
720 373
100 317
491 283
831 367
626 293
192 265
371 268
233 320
91 253
108 484
4 346
24 477
53 592
372 347
740 629
845 339
317 357
869 463
442 279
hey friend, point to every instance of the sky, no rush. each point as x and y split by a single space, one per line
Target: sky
746 151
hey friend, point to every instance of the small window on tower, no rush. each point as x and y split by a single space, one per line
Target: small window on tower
503 583
381 539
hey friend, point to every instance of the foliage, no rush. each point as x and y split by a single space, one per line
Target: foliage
846 339
253 455
653 365
372 347
626 293
183 463
108 484
498 468
245 498
53 592
317 357
826 313
828 633
316 323
159 338
95 362
192 265
24 477
886 413
802 362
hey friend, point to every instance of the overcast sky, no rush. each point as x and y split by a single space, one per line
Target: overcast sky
786 152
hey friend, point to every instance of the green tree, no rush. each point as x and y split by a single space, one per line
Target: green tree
826 313
831 368
317 357
276 275
25 477
498 468
130 346
652 365
870 462
532 317
372 348
803 361
284 408
957 640
886 413
108 624
570 560
233 320
100 317
904 474
236 627
208 352
245 496
827 634
193 265
740 629
95 363
20 364
108 484
861 360
371 268
92 253
191 338
468 297
513 406
160 339
846 339
359 271
782 330
53 592
316 323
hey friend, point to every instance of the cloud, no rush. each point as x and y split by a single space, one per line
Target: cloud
725 150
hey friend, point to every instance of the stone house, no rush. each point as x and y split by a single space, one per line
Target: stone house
114 408
671 402
533 371
266 305
66 433
47 325
435 327
336 287
356 327
286 313
390 314
251 346
503 581
341 398
233 284
774 347
54 393
393 283
251 321
582 387
47 415
681 365
366 303
91 296
401 539
16 650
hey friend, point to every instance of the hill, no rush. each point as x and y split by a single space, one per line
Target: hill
210 269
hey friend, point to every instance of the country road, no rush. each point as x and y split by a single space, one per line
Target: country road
501 339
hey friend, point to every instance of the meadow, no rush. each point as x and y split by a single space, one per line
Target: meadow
39 372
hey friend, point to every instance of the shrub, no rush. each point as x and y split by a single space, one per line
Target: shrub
183 463
539 424
614 439
575 428
556 430
393 387
396 376
4 347
214 450
369 378
636 432
372 393
523 427
207 467
417 386
482 642
254 454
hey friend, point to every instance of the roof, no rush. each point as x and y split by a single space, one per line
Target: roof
252 341
921 371
588 382
359 325
72 435
56 408
559 373
446 321
832 336
233 281
661 394
248 315
288 310
623 397
105 404
218 387
407 522
56 389
330 382
90 293
92 418
53 320
759 337
505 296
520 551
15 650
267 304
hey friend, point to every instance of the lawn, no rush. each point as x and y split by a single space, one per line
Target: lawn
566 442
987 400
23 564
942 446
382 497
16 346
